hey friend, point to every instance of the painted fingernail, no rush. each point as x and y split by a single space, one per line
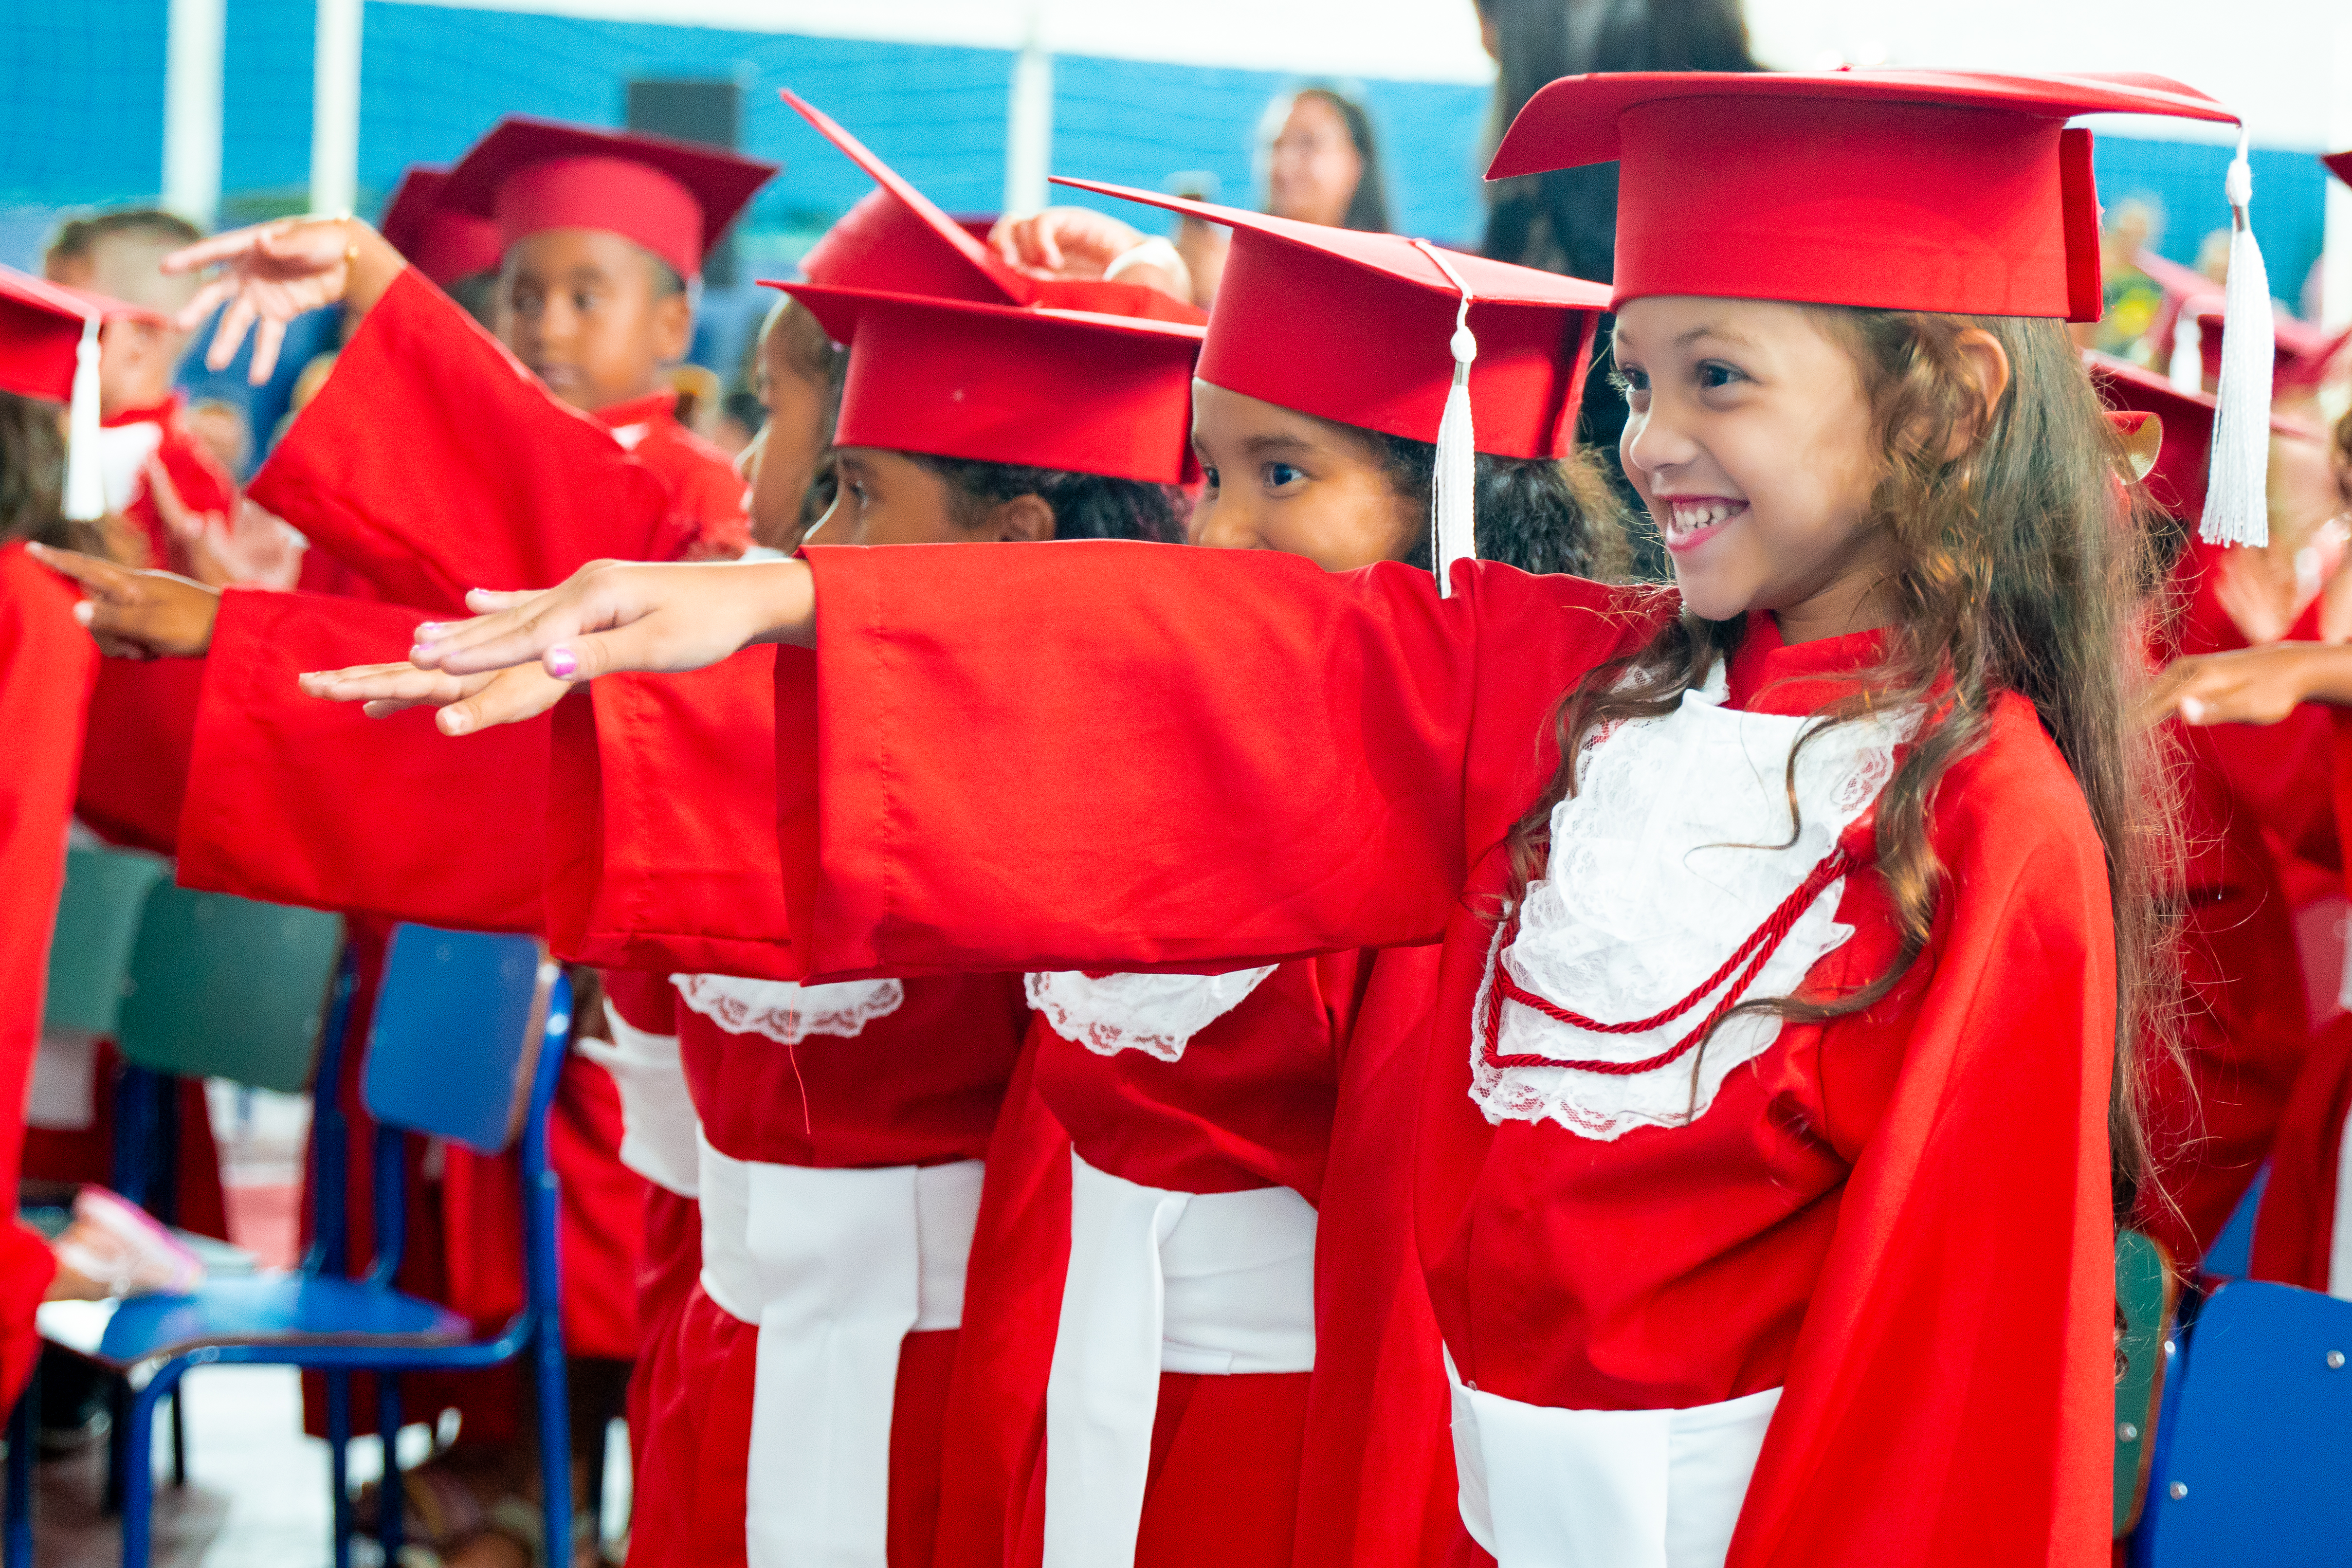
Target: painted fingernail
561 663
82 611
427 631
454 722
2192 709
423 652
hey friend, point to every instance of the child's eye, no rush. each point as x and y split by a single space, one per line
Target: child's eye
1713 375
1630 380
1209 475
1280 475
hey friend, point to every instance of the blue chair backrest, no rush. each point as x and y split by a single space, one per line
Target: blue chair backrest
2252 1461
457 1035
90 953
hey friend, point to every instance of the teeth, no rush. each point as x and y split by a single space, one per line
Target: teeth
1691 516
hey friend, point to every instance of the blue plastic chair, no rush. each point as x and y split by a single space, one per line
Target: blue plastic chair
2249 1467
466 1043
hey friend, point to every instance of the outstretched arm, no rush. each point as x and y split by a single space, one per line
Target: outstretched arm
514 660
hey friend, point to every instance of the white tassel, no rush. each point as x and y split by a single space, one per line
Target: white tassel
85 498
2237 504
1453 504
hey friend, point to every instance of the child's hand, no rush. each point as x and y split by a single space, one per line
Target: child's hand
513 694
273 273
249 548
613 616
137 615
2246 686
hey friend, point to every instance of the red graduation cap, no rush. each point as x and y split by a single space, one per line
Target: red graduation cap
440 241
1080 391
1396 335
1907 190
898 240
2302 351
48 349
2339 164
674 198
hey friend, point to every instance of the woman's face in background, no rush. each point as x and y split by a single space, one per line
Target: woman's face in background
1314 168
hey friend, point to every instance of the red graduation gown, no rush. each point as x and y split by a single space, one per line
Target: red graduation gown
46 665
707 495
662 857
1302 1085
1270 763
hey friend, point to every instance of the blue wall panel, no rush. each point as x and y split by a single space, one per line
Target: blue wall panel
2183 180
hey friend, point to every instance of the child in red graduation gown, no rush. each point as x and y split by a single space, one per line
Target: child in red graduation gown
46 666
283 813
1764 1182
2244 1026
871 1100
1255 1106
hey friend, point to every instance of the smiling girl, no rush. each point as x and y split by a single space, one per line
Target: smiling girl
1797 927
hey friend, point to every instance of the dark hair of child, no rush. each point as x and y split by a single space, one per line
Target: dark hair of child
1086 506
33 477
2023 564
1538 514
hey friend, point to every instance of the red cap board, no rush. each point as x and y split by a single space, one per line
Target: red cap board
898 240
438 240
2339 164
2178 481
674 198
2304 352
1078 390
48 349
1895 189
1357 327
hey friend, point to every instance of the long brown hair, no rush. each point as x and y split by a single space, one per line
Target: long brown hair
2023 564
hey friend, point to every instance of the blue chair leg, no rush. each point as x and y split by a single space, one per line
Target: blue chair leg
24 1424
392 1499
138 1466
118 1442
339 1441
554 1442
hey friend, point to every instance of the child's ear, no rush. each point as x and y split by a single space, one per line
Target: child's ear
672 327
1024 519
1984 362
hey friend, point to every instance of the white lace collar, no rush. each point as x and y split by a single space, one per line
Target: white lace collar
787 1013
1655 881
1155 1014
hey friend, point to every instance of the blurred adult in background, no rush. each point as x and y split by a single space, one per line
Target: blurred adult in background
1566 221
1322 164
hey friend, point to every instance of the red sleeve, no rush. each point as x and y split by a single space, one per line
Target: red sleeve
134 764
1105 755
47 664
2244 1028
661 836
1951 1396
298 801
433 462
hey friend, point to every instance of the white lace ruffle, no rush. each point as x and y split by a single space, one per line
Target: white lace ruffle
1155 1014
1661 865
787 1013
